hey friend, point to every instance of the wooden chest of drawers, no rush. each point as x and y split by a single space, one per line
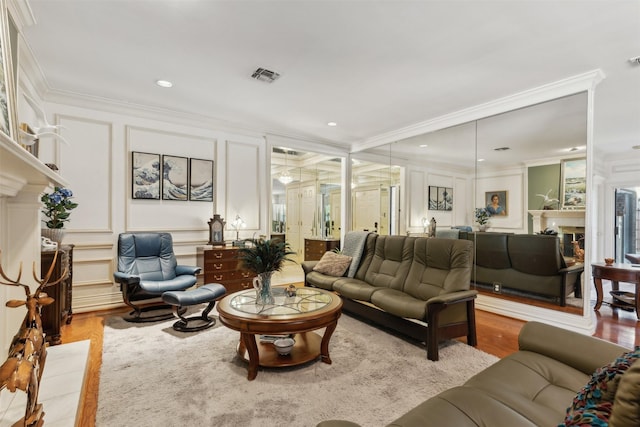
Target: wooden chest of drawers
221 265
315 248
54 315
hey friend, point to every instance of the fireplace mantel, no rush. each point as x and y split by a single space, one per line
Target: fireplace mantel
556 218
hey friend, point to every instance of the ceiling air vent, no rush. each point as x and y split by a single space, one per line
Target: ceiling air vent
265 75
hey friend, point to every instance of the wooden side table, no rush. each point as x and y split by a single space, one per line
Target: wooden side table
54 315
617 273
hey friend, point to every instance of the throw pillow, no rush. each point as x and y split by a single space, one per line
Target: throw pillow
593 404
626 405
333 264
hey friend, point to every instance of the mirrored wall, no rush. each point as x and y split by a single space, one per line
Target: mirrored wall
525 168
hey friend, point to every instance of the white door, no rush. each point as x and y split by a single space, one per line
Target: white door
293 220
336 212
366 210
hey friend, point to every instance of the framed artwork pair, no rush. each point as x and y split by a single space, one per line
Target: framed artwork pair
175 177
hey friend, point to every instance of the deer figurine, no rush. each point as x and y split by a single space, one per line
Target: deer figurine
27 354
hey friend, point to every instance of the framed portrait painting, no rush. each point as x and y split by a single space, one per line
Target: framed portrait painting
175 178
201 180
145 175
496 203
574 183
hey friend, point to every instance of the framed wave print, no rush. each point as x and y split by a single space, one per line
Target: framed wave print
145 175
175 177
201 180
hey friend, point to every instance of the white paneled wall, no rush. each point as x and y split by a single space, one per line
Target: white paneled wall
97 165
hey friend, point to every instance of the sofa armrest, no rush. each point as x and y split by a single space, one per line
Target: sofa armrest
187 269
307 266
453 297
582 352
577 268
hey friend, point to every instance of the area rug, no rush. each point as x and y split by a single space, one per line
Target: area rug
153 375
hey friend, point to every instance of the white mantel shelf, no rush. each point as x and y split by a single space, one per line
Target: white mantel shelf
557 218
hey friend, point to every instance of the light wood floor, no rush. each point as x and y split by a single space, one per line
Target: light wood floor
497 335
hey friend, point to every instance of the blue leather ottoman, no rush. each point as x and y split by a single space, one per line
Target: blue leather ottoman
182 299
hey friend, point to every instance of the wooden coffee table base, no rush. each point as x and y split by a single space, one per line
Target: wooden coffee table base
307 348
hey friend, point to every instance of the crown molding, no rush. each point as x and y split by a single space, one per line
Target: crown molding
569 86
21 13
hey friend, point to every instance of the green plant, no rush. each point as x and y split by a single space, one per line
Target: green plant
482 216
265 255
57 207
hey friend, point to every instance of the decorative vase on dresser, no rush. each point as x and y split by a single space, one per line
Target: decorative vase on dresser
221 265
53 234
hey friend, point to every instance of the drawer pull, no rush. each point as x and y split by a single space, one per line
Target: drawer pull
246 274
218 277
217 266
217 255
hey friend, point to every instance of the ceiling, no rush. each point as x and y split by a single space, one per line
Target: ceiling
371 66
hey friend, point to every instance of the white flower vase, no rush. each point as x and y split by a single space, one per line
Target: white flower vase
53 234
483 227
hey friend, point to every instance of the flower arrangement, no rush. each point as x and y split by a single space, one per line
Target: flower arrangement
57 207
263 256
482 216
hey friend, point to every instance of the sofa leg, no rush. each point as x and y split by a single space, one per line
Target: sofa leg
433 339
472 338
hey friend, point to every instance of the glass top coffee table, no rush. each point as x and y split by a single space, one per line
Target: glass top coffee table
310 309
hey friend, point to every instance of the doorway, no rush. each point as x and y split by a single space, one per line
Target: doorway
627 225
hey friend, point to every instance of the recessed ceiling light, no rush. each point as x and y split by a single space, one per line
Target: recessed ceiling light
481 160
164 83
423 145
332 124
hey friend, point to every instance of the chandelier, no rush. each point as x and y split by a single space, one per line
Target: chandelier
285 177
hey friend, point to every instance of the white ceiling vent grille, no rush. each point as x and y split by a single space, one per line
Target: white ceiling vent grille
265 75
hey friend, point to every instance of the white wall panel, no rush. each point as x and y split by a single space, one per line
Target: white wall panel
90 177
243 189
416 198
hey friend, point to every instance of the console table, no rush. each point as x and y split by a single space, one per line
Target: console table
53 315
617 273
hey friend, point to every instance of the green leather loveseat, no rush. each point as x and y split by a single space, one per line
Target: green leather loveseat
415 285
536 385
529 264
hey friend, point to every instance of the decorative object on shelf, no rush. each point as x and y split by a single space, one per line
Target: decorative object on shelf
482 218
432 227
28 140
237 224
609 261
216 231
425 225
43 128
57 207
27 355
175 176
145 175
201 180
284 345
264 257
578 252
548 201
574 183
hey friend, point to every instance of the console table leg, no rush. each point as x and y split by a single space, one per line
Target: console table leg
249 342
598 284
324 345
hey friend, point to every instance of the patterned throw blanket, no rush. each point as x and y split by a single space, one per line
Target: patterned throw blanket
353 246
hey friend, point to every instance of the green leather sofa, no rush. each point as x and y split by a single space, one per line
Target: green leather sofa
529 264
415 285
532 387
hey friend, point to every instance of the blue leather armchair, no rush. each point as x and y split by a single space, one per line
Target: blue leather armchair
147 268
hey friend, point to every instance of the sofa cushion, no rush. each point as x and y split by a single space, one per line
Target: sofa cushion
594 402
354 289
399 303
491 249
535 254
333 264
391 261
319 280
439 266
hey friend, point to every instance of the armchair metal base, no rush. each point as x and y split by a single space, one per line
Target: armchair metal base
199 322
150 313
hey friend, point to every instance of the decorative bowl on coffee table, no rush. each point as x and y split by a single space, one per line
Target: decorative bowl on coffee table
284 345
